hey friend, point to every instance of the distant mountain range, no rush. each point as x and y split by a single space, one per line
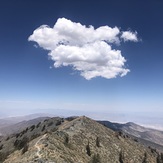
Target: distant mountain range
137 131
13 122
76 139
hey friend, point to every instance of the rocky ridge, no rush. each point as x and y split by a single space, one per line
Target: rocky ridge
82 140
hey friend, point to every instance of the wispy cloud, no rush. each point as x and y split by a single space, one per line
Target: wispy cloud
14 101
85 49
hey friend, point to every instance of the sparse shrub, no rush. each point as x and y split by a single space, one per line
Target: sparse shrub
23 132
124 136
96 158
25 149
152 150
70 118
162 157
97 142
67 142
32 127
7 138
66 139
43 128
38 125
19 144
1 147
34 136
145 158
46 145
120 133
135 140
50 123
158 159
54 129
16 142
104 125
88 150
17 135
127 136
121 157
26 129
3 156
58 123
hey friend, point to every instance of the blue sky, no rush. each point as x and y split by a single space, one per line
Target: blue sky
30 83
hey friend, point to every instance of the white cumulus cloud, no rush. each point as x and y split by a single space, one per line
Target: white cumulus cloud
85 49
129 36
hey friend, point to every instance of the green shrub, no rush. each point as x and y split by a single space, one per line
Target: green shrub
121 157
1 147
25 148
38 125
88 150
32 127
50 123
97 142
19 144
43 128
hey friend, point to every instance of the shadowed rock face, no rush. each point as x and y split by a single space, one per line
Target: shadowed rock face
82 140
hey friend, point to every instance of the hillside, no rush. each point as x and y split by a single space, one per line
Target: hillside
14 128
81 140
139 132
17 141
8 121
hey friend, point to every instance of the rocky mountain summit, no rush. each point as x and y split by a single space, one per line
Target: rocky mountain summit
74 140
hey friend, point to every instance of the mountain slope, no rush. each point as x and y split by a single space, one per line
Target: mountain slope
14 128
82 140
138 131
20 139
4 122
